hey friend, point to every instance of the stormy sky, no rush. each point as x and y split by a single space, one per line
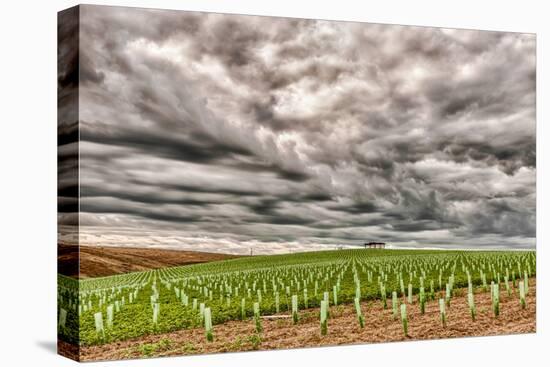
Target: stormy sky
222 132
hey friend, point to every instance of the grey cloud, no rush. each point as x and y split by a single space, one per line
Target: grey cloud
294 133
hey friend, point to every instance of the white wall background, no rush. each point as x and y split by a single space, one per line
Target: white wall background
28 181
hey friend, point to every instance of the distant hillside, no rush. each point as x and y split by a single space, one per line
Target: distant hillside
104 261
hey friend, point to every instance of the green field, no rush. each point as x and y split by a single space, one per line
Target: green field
126 304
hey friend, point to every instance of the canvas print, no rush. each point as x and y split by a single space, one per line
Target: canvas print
232 183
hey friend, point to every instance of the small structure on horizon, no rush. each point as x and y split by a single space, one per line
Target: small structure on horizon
375 245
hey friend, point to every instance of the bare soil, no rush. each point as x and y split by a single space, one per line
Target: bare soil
343 328
96 261
68 350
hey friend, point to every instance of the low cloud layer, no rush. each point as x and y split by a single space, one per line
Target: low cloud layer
223 132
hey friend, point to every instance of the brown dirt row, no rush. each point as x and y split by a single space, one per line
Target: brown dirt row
343 328
97 261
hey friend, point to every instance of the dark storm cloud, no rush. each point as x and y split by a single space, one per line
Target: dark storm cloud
208 130
167 144
67 118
